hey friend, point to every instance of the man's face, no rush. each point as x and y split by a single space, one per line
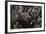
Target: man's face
34 12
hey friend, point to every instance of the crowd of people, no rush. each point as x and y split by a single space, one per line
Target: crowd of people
25 16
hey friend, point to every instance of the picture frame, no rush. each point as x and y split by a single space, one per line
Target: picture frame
22 3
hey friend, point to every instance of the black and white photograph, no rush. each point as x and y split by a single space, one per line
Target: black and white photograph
25 17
